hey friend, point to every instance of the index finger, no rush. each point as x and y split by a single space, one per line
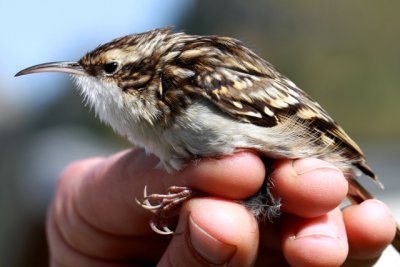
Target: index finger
105 194
94 211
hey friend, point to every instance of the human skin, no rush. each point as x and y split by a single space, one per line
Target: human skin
94 219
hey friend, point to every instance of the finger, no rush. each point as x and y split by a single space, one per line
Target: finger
83 209
95 200
213 232
370 229
62 254
103 194
318 185
236 176
121 178
319 241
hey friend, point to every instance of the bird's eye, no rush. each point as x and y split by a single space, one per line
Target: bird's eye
110 67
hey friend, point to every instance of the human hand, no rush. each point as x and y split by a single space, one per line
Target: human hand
95 221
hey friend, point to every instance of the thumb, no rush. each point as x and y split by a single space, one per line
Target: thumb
213 231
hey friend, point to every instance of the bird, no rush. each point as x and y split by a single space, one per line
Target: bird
184 97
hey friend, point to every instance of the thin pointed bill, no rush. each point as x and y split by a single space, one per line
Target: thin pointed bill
71 67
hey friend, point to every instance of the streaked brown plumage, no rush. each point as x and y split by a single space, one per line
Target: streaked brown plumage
183 97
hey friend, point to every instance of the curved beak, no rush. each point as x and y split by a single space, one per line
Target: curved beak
71 67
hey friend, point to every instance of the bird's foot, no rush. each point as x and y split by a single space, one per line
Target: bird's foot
165 207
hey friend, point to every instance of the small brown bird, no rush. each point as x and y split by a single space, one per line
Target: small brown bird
183 97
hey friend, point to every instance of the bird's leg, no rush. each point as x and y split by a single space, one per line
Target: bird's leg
263 204
167 205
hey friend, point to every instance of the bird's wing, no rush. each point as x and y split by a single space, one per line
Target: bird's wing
248 88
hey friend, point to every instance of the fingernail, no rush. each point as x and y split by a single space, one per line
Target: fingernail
209 248
302 166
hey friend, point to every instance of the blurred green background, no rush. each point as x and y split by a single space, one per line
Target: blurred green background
346 54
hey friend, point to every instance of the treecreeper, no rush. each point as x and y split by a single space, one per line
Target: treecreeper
184 97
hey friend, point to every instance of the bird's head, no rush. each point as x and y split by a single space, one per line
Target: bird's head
120 77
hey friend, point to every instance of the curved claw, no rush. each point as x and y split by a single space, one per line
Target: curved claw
165 230
146 203
145 192
167 203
